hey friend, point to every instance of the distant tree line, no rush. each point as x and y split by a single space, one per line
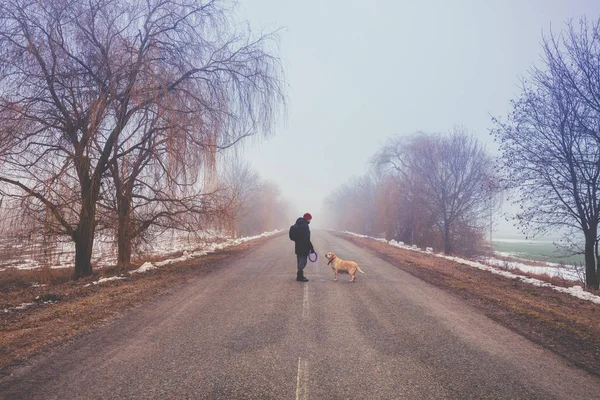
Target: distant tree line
253 204
432 190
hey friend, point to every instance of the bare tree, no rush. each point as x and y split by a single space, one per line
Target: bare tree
105 86
157 171
449 175
238 182
551 141
387 212
265 210
352 206
250 205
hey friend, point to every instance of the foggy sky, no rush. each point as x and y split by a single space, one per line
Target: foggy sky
358 72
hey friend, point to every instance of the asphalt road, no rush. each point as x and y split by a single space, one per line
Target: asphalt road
250 331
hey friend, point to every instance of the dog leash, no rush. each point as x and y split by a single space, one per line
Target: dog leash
316 257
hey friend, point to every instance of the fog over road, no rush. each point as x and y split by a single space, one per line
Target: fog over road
250 331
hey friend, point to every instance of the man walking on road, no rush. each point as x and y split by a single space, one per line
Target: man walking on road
301 236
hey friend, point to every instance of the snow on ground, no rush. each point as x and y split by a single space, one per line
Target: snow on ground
33 253
192 252
147 266
62 254
102 280
551 269
24 306
576 290
209 248
522 241
17 308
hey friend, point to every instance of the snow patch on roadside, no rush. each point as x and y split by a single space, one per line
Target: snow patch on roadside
103 255
209 248
102 280
576 290
18 308
147 266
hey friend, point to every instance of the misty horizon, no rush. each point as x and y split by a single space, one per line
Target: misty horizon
360 73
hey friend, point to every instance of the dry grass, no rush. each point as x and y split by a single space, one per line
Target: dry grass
14 279
562 323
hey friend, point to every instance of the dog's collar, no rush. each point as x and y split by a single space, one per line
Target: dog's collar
332 258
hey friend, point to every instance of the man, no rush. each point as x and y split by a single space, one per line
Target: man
303 244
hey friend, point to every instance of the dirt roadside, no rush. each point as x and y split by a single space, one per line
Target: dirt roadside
60 312
566 325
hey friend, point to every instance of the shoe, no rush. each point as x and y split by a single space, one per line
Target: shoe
301 279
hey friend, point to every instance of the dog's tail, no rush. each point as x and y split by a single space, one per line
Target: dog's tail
360 270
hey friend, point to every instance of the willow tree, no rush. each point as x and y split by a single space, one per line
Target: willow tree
448 175
93 82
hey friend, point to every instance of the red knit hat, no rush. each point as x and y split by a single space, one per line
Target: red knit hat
307 216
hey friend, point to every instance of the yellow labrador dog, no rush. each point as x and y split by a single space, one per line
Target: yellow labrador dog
339 265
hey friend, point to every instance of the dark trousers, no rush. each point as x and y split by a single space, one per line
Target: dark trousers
301 264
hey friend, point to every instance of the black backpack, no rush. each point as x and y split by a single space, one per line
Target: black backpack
293 232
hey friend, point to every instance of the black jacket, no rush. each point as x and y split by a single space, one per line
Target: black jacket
303 244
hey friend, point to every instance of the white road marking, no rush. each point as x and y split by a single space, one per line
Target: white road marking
305 305
302 377
302 380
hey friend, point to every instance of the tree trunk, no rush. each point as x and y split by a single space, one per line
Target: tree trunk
84 241
232 230
84 234
124 233
447 244
591 274
125 245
